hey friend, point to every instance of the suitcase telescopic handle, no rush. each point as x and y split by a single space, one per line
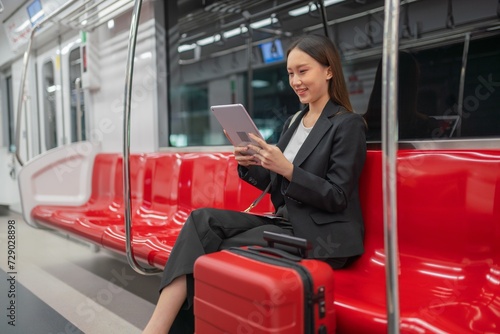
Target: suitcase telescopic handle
287 240
276 252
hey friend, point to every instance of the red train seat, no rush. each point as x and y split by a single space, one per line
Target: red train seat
449 257
448 229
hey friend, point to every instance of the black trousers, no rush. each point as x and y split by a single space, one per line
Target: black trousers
206 231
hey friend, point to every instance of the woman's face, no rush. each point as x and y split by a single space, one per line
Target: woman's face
308 78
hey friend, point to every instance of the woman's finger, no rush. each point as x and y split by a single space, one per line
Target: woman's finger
261 142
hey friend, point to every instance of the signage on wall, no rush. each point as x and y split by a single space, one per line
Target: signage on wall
19 25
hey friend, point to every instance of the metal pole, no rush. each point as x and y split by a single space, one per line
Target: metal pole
460 107
322 8
250 70
78 90
389 155
127 196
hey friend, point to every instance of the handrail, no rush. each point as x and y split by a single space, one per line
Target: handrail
127 196
389 152
322 8
460 107
78 90
23 76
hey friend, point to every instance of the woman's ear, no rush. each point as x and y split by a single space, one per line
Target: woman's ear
329 73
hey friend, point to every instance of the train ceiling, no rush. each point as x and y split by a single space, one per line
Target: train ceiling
203 18
223 25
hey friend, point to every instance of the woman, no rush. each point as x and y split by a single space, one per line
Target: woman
313 171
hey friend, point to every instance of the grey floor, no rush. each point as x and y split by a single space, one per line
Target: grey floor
65 286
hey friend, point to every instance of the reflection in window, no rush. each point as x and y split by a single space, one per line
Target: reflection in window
481 112
189 124
429 90
49 105
77 99
273 99
412 123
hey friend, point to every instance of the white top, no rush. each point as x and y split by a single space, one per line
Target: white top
297 140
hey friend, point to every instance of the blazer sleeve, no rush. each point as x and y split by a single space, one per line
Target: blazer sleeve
257 176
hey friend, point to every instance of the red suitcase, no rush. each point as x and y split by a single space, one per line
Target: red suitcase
256 290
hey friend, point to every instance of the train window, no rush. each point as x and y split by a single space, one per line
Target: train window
49 105
439 90
77 96
234 53
429 93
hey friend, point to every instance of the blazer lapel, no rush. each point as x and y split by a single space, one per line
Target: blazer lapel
287 135
323 124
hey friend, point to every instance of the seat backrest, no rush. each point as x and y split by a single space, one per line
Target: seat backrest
201 180
103 178
161 181
447 200
137 167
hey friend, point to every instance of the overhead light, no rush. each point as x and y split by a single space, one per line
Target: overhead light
263 23
235 32
311 7
186 47
37 16
228 34
493 28
111 24
208 40
303 10
260 83
146 55
51 89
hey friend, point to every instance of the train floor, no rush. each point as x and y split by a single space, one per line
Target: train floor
52 284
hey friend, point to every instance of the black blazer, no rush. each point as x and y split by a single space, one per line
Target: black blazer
322 200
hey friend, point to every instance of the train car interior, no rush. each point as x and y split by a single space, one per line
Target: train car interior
107 144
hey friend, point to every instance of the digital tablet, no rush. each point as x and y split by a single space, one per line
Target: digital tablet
237 122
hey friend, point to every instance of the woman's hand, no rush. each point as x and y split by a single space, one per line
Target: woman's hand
268 156
244 158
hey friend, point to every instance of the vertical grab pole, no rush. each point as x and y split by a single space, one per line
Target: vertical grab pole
127 196
460 108
321 4
78 89
389 155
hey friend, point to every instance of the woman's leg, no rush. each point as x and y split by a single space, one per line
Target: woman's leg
171 299
205 231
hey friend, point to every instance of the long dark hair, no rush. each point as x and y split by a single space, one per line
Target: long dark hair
322 49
